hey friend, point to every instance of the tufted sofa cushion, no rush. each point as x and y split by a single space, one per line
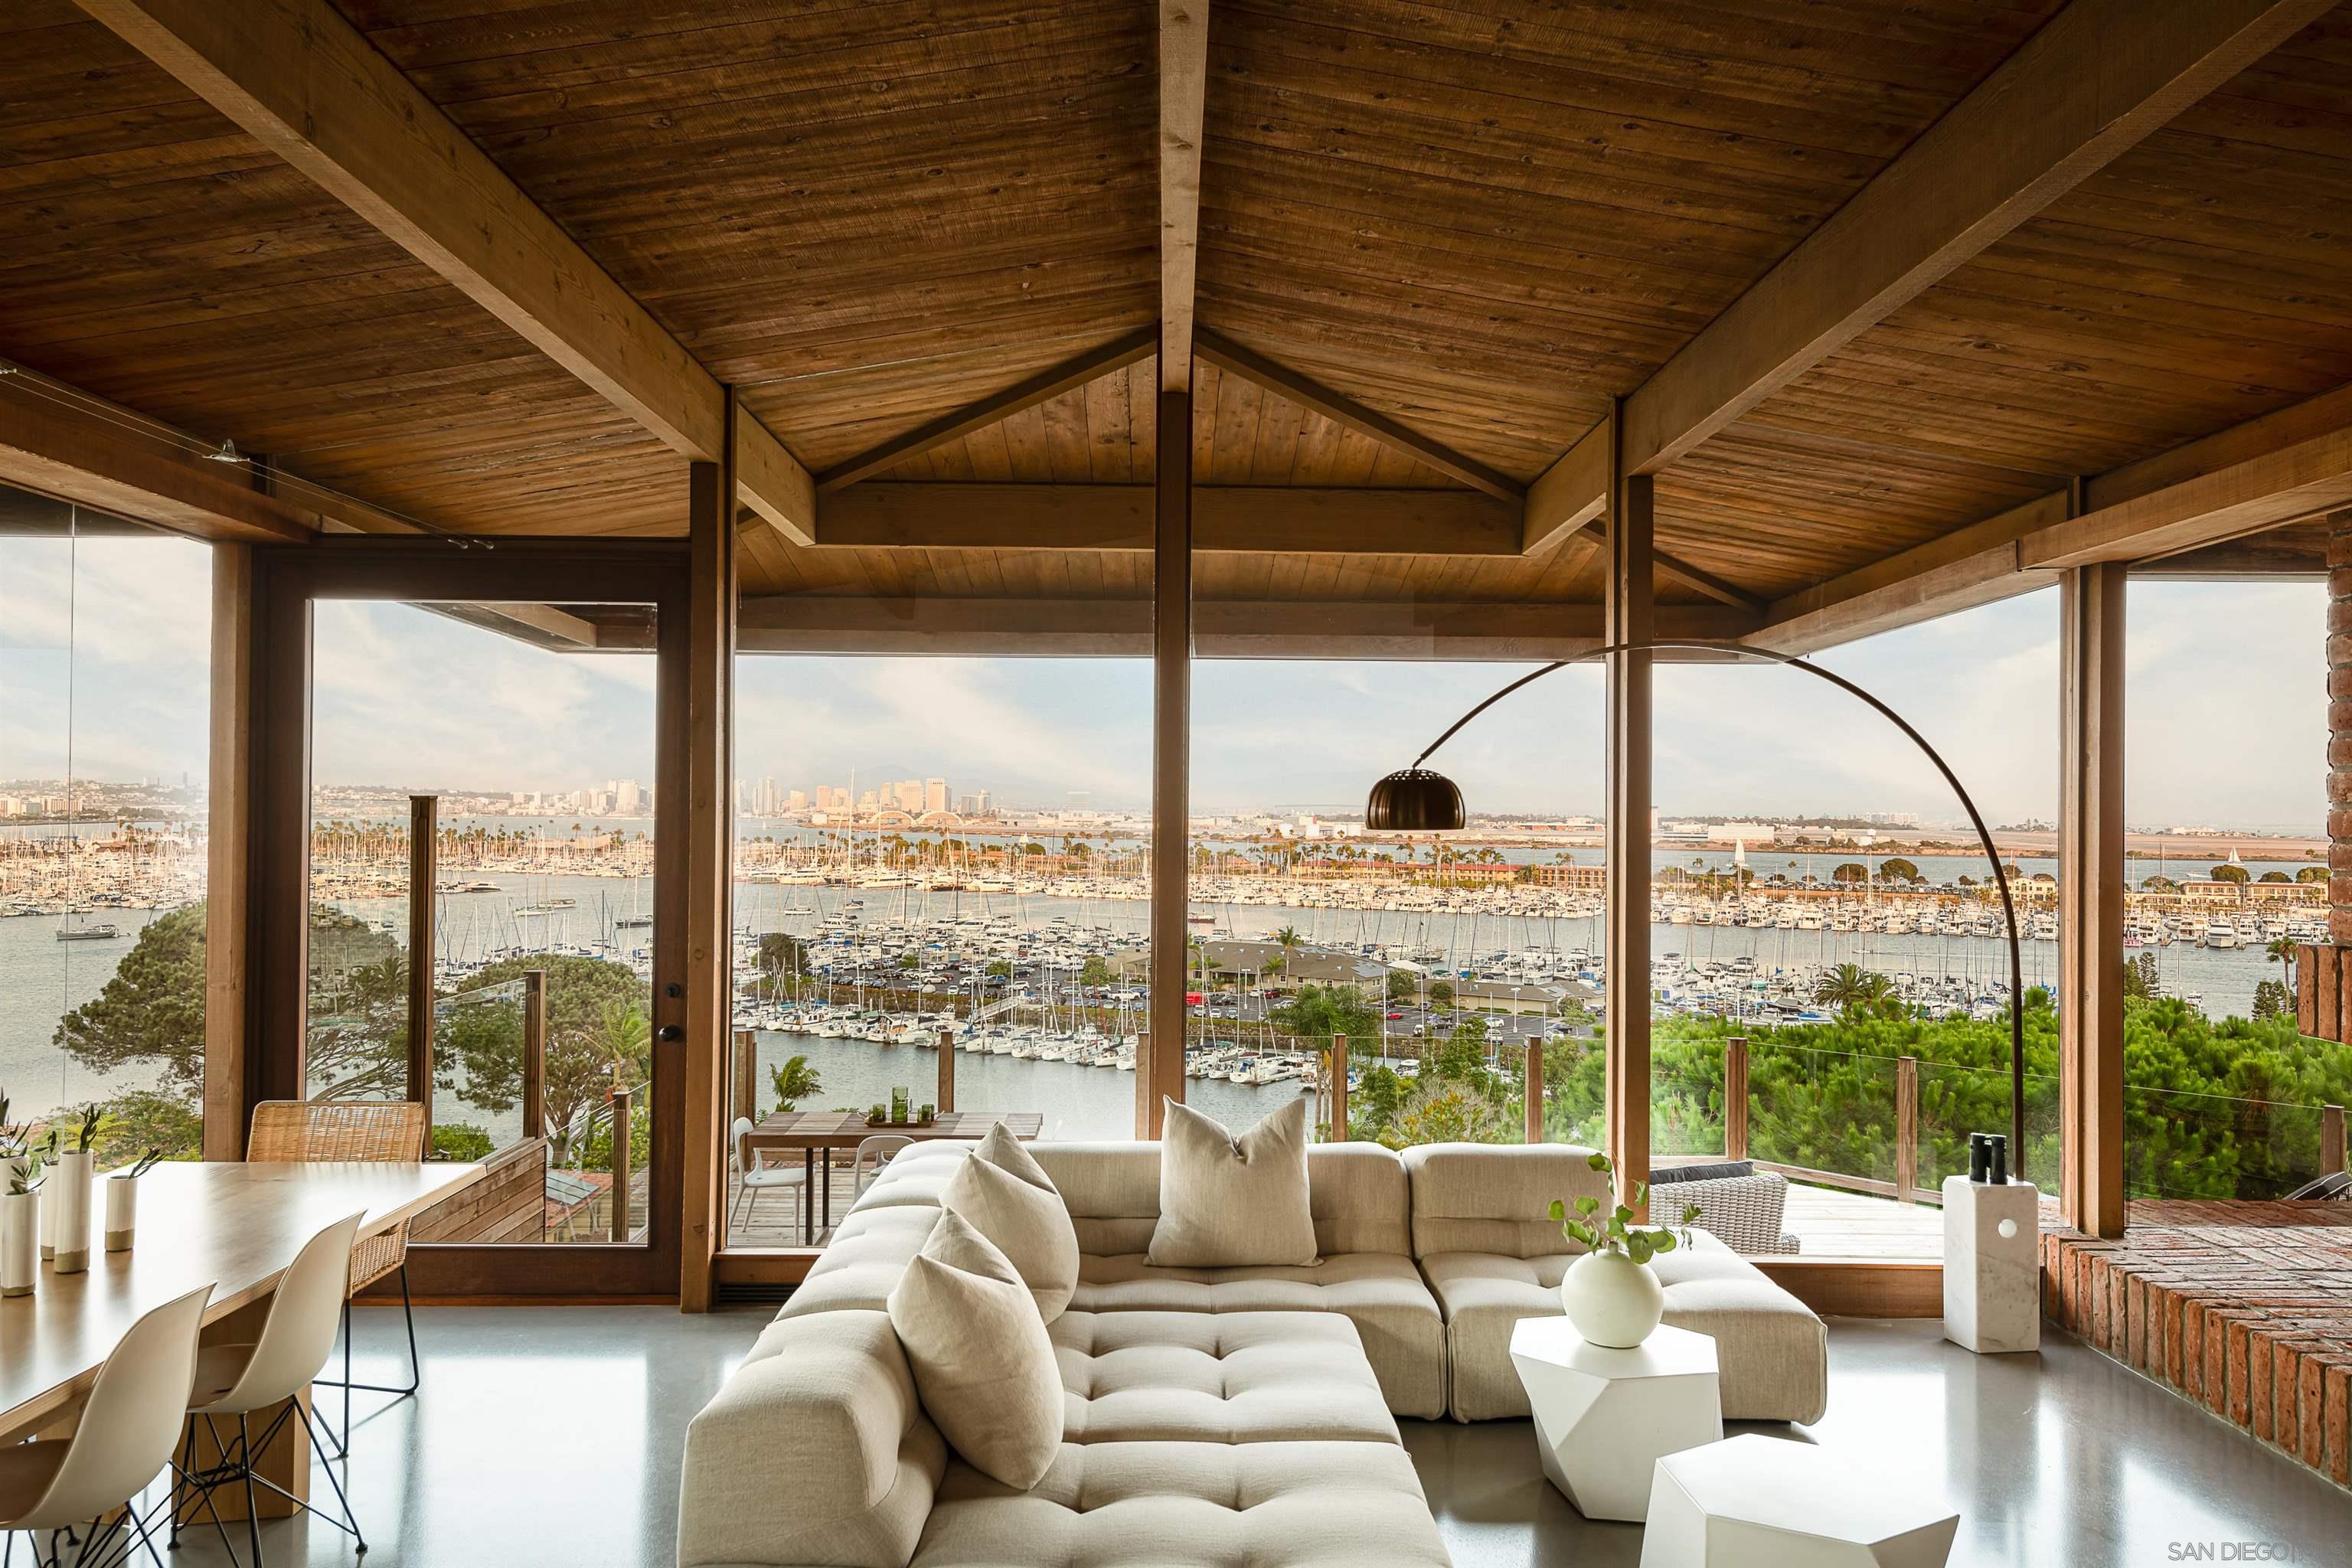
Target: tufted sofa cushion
1496 1197
1240 1377
1191 1505
1356 1192
1382 1294
1772 1352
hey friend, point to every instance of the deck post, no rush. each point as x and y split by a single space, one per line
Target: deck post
1734 1097
2331 1140
534 1053
1336 1083
1535 1091
423 861
945 1094
621 1171
2091 874
1629 616
1906 1129
2320 994
1160 1067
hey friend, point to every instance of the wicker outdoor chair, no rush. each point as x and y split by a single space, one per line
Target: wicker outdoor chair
1744 1212
313 1131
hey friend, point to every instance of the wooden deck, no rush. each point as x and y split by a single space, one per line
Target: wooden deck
1831 1223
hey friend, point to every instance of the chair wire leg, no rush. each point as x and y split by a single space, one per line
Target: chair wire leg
351 1518
252 1506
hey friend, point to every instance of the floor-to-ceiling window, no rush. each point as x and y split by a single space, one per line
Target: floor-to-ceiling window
104 653
2227 876
941 874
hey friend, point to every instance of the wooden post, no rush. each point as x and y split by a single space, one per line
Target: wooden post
2331 1140
1906 1128
1338 1087
747 1075
534 1053
2320 971
423 861
1629 616
228 866
1160 1074
945 1101
2091 901
621 1132
1535 1091
1734 1097
704 1013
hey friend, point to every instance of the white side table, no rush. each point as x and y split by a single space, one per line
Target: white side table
1766 1502
1604 1416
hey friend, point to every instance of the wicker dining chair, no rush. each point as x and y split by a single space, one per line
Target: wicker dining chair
316 1131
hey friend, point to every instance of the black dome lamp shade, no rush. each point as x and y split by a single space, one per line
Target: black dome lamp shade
1413 800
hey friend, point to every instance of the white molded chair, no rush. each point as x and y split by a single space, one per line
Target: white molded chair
754 1175
124 1440
881 1147
275 1368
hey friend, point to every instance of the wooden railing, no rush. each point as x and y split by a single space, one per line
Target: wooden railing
507 1205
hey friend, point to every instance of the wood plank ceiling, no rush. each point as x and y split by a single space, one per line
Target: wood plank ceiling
1482 219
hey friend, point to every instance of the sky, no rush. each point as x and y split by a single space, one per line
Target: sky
2226 709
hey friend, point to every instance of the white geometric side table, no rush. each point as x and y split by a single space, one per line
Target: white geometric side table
1604 1416
1766 1502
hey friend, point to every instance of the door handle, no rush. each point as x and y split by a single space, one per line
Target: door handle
669 1032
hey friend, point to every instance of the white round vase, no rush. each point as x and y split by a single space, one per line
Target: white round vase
1612 1300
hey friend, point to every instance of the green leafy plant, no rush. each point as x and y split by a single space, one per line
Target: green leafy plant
1618 1232
93 1122
145 1163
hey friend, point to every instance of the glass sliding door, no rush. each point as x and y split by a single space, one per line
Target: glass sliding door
485 765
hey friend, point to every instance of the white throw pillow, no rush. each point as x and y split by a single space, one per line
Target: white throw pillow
981 1361
1228 1202
1003 1194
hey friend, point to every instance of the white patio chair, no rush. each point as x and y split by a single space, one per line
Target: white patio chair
754 1176
881 1147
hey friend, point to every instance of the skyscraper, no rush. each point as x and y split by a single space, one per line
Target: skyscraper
909 794
935 794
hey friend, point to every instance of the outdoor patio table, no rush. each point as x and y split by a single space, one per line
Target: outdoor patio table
812 1130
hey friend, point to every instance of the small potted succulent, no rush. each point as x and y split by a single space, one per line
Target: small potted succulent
1612 1294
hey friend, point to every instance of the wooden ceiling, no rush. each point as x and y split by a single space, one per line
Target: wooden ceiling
1476 225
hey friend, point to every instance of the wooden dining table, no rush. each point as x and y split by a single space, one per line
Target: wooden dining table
810 1132
234 1227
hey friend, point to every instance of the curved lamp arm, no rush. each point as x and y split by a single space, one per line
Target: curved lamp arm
1976 820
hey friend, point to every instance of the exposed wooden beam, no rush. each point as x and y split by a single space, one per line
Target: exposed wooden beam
1256 518
2090 84
1706 583
300 79
1160 1065
770 482
1050 383
1343 410
1184 102
2280 470
1242 628
60 443
1569 494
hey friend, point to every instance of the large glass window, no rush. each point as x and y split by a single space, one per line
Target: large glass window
1826 929
1439 959
2227 876
934 855
537 756
104 716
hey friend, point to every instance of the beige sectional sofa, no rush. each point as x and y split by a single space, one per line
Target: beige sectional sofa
1212 1415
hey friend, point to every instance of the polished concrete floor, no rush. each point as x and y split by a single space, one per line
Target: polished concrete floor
551 1436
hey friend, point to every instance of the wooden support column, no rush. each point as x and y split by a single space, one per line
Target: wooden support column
746 1063
1160 1074
1906 1128
228 868
1629 616
2091 899
705 1015
1535 1091
423 859
534 1053
623 1131
945 1094
2321 996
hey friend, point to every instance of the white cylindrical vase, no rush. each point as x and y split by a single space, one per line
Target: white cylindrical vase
48 1213
20 1227
70 1195
121 1212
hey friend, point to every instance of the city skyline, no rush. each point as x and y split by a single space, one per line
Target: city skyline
406 698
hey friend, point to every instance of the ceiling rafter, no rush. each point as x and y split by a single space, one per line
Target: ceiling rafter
1184 101
300 79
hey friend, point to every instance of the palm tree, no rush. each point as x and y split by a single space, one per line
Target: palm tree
2281 949
1849 985
793 1081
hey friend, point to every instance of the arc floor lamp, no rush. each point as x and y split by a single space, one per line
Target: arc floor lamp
1418 800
